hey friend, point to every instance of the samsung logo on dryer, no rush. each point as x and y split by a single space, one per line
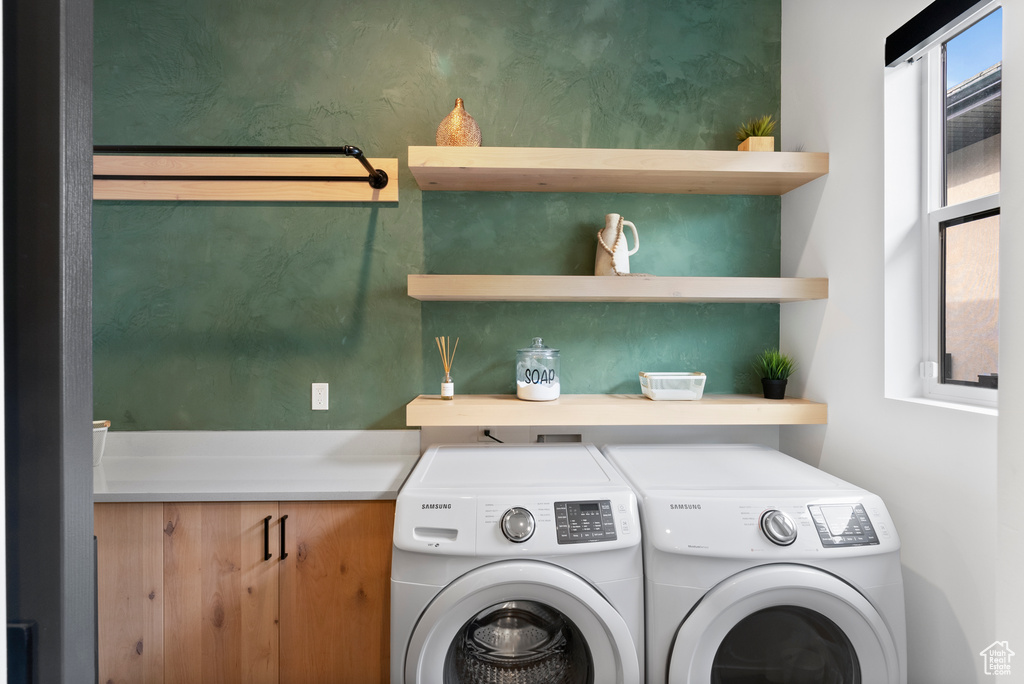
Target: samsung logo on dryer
436 507
684 507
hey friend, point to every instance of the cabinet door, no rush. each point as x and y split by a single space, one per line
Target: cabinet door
221 595
130 596
335 592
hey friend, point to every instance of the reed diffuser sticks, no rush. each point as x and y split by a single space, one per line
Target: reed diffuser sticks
447 356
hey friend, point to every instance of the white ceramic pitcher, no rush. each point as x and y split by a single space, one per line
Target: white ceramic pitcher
614 238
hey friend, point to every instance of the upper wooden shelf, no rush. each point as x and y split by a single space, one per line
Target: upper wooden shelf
526 288
612 409
548 169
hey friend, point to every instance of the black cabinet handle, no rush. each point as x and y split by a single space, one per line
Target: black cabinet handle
284 554
266 538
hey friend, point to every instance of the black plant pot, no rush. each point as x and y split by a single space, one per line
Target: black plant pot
774 389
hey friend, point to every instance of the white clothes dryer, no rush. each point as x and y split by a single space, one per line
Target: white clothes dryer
760 568
516 563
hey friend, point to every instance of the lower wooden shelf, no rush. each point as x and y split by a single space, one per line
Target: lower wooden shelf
612 409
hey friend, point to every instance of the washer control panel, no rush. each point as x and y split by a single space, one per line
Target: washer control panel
583 522
843 525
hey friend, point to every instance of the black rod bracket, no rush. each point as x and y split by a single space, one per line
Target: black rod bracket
378 179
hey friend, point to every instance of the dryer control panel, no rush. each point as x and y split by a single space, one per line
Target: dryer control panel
843 525
776 526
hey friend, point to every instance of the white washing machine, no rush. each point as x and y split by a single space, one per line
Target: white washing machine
516 563
760 568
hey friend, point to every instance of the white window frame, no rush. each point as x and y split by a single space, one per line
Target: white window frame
936 214
913 180
923 337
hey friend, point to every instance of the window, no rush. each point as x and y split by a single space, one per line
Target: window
962 157
958 67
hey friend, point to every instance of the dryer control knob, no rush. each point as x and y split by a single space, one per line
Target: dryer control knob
517 525
778 527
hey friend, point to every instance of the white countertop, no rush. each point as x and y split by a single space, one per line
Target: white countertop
314 465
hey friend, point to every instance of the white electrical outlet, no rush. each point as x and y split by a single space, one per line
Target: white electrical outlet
320 396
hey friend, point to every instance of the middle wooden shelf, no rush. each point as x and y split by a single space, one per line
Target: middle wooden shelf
677 289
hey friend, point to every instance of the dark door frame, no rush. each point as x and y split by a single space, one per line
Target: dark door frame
47 50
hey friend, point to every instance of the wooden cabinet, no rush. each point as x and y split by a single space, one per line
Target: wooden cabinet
186 593
220 595
130 592
336 592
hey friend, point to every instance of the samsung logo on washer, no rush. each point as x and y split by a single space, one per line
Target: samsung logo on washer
436 507
684 507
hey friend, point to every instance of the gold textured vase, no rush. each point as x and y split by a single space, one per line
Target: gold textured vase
458 129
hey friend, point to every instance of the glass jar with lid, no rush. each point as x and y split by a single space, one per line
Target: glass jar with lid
537 372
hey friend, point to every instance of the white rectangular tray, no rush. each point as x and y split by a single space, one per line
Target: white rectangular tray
672 386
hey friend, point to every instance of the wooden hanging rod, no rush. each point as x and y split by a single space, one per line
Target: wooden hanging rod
251 173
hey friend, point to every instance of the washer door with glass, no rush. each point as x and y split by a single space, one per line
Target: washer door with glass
784 623
523 622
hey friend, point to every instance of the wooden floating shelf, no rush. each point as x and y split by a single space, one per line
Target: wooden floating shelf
291 190
611 409
548 169
527 288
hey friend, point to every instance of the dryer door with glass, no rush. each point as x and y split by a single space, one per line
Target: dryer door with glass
784 623
521 621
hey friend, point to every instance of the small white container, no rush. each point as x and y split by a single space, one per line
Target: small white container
99 440
672 386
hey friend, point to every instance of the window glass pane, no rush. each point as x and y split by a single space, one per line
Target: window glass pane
974 67
970 308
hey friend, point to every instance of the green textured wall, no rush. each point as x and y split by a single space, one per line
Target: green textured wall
220 315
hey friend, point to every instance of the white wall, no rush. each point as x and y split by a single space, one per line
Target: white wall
1010 585
937 468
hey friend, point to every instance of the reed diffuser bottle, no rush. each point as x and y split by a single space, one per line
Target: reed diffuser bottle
447 356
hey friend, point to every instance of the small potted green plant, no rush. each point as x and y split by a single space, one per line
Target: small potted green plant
756 135
774 369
